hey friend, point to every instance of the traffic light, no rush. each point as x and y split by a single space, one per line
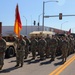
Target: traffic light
34 22
60 16
38 23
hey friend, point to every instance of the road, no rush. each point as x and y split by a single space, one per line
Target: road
37 67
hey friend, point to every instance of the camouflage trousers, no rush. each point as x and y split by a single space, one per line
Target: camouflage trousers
53 52
20 57
26 51
1 60
33 50
64 53
47 51
41 52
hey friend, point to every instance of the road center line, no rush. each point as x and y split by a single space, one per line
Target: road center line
60 67
65 66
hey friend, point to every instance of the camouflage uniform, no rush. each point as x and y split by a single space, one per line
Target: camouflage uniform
2 51
70 45
42 45
53 47
64 49
20 51
26 47
58 50
33 47
47 50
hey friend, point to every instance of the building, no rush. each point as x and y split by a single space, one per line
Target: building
6 30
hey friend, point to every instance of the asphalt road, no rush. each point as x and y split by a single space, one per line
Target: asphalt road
37 67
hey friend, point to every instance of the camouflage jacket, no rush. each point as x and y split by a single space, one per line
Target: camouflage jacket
42 43
2 45
21 44
48 41
53 43
34 43
27 42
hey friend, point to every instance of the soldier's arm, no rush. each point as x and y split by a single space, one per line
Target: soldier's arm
4 45
23 43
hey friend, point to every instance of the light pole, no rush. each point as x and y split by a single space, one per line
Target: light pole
39 21
63 23
44 13
26 24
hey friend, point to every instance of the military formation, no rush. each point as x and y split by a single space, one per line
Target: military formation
45 47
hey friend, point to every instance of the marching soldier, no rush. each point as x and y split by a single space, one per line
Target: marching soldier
2 51
20 51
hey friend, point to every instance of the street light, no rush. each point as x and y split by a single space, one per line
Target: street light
39 21
43 13
26 24
63 23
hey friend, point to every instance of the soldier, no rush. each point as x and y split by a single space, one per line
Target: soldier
64 49
27 46
20 51
58 50
47 46
2 51
53 47
33 46
72 44
69 45
42 45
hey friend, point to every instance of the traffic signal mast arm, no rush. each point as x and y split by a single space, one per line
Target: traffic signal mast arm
57 16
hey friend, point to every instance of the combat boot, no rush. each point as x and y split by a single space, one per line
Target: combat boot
17 65
21 65
52 59
1 67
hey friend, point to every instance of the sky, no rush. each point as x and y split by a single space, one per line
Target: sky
33 10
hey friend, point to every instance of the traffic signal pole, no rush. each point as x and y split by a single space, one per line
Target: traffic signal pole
58 16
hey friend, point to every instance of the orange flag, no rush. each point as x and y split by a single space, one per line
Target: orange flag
18 24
